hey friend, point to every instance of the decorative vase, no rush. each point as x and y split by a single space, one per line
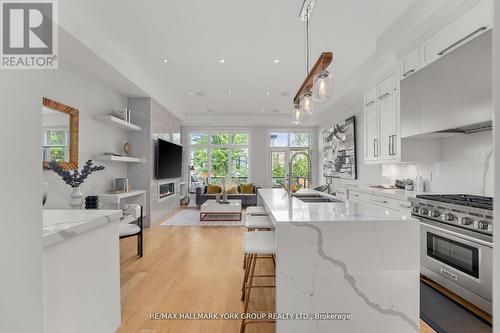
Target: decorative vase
217 197
409 187
76 198
224 197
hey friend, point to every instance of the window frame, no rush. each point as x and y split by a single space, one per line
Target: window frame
209 146
288 149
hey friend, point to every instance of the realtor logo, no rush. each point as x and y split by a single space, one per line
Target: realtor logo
29 35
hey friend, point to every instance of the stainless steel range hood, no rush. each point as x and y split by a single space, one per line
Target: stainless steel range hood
470 129
453 95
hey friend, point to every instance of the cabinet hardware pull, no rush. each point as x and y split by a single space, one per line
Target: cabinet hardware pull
461 40
375 147
409 72
384 95
390 145
392 149
370 103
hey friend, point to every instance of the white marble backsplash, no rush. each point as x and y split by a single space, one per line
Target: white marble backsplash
465 166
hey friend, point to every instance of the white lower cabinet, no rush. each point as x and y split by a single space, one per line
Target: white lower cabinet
384 202
382 124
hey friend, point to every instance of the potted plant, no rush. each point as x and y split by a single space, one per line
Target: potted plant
75 179
408 184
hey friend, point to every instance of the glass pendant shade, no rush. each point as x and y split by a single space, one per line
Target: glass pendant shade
322 87
306 104
296 115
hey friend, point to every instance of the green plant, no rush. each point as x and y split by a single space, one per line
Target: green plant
408 181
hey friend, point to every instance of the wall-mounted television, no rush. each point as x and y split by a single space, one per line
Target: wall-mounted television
168 160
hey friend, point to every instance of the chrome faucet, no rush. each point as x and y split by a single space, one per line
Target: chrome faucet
290 170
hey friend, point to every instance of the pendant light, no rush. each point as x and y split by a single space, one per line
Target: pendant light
296 115
307 104
317 86
322 87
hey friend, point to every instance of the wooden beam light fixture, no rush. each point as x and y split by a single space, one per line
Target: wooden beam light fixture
321 64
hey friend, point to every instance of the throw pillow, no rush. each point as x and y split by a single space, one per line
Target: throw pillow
246 188
213 189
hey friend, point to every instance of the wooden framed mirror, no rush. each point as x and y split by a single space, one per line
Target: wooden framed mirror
60 134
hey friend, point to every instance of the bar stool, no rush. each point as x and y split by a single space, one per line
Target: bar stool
257 245
257 222
256 210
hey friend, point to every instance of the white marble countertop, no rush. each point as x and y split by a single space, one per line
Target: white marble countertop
285 209
59 225
389 193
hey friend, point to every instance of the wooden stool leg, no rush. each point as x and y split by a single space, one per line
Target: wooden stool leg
245 277
253 262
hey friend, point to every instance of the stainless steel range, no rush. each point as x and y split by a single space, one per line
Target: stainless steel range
456 238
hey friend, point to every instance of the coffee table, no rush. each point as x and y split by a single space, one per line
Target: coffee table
212 211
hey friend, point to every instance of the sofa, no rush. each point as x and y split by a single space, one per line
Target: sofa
249 199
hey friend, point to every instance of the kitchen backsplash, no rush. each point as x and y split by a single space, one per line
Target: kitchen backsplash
466 165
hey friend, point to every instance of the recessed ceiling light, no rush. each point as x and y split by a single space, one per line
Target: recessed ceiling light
276 61
189 93
268 93
201 93
222 61
262 110
165 60
285 93
229 93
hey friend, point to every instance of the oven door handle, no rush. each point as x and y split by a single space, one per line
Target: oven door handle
434 225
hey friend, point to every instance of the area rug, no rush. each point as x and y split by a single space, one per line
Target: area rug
191 218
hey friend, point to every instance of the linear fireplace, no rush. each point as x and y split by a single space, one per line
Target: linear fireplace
165 190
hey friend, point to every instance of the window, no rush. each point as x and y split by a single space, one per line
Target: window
218 155
55 145
284 146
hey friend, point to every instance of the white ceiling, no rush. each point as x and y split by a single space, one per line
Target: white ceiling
193 35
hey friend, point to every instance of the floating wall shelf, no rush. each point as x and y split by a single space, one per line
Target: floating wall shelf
113 158
117 122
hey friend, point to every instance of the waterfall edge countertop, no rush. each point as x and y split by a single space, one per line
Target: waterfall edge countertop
284 209
350 258
60 225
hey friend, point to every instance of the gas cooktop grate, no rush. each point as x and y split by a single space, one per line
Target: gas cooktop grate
475 201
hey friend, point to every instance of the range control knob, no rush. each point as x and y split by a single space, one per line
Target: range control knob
423 211
434 213
448 217
483 225
465 220
414 209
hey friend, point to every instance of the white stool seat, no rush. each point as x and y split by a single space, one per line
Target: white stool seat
258 222
260 242
256 210
126 229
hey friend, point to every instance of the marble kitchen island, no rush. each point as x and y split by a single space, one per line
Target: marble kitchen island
347 258
81 271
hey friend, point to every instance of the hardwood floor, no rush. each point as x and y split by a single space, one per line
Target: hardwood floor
189 269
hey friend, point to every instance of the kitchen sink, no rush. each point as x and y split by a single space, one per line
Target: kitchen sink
312 198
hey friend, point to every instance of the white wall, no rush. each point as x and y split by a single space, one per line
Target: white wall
366 173
74 87
21 202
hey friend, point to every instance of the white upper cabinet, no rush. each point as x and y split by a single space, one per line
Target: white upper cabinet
372 146
386 87
381 122
468 26
410 63
387 126
371 96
